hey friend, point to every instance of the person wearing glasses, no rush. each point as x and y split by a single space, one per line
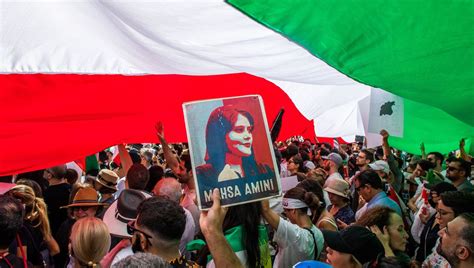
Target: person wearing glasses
458 171
364 158
84 204
429 234
436 158
296 165
451 205
457 241
158 230
370 188
118 215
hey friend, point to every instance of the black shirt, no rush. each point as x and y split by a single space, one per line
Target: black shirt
62 238
11 260
32 239
55 197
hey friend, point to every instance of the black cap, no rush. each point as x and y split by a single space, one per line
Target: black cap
355 240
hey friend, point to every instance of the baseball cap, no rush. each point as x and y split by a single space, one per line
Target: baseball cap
334 157
355 240
380 165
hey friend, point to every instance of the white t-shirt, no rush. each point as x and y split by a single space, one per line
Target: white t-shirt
188 234
122 254
295 244
120 187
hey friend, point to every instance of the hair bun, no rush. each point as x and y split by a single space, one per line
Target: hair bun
311 200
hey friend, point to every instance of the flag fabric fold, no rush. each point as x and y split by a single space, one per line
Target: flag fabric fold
78 77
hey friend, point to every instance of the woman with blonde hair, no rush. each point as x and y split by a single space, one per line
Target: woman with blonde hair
90 241
36 233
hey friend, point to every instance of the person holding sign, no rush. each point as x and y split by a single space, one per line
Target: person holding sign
229 146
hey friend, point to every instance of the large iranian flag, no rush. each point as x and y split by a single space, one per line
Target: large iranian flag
77 77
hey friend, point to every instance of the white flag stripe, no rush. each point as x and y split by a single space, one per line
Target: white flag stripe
150 37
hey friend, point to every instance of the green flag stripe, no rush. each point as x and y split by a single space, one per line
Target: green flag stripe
438 130
419 50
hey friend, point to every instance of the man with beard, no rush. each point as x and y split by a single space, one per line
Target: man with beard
458 171
158 229
331 163
364 158
457 241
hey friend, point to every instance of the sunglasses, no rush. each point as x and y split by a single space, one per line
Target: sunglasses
131 230
452 169
81 208
360 187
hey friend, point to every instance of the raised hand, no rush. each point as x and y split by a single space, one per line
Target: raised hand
462 142
160 130
384 238
422 146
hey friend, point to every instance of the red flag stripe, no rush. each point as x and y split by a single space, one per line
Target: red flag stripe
52 119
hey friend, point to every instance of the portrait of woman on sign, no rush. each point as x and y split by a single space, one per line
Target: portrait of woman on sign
232 152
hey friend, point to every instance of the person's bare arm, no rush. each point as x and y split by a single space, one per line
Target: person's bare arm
464 155
385 145
423 151
170 158
412 203
327 226
52 245
270 216
211 226
384 238
125 158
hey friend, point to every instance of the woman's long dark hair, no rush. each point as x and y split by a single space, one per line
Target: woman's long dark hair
220 123
247 215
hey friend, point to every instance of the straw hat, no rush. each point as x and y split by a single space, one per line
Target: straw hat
338 187
107 178
85 197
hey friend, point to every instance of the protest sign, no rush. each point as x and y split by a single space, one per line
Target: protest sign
231 150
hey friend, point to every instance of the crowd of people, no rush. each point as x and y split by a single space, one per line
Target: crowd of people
352 207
